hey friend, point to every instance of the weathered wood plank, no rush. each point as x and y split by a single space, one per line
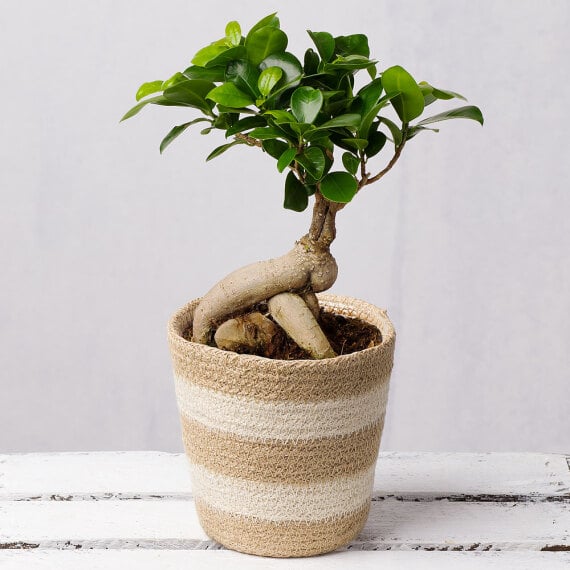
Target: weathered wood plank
393 524
155 475
213 560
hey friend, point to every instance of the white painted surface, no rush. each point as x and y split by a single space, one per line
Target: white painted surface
465 242
126 502
222 560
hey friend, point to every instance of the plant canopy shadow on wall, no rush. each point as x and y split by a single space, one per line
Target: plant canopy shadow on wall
307 117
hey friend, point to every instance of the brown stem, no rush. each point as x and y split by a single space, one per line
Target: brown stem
247 139
323 228
393 161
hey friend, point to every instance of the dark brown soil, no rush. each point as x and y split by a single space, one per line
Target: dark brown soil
346 335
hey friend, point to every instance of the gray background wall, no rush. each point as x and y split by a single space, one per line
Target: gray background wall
466 242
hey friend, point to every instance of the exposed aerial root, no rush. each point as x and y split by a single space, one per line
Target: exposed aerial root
294 316
246 333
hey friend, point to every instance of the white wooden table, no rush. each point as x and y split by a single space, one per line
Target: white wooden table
430 510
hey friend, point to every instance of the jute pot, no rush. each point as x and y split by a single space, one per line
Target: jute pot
282 453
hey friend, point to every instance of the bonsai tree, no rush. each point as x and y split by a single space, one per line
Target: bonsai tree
325 134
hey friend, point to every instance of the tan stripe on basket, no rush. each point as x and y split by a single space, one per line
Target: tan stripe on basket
281 462
280 539
281 501
285 421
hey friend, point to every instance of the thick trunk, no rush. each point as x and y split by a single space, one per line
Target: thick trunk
307 269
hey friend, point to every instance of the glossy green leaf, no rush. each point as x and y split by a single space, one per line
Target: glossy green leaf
280 117
233 33
175 132
409 102
467 112
339 187
264 42
306 103
432 94
289 64
191 92
369 118
245 124
394 130
296 197
355 44
229 95
268 78
263 133
376 142
148 89
274 147
311 62
244 75
347 120
286 158
349 63
358 144
312 159
350 162
221 149
137 108
272 21
176 78
206 54
324 43
227 56
215 74
368 96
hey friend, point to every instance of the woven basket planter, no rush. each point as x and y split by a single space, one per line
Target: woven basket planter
282 453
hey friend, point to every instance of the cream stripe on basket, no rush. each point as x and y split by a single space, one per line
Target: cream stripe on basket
280 420
282 502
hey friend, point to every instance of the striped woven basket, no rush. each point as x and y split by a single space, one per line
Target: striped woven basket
282 453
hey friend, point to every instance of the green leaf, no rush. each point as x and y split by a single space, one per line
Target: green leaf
312 160
349 63
394 130
358 144
229 95
177 131
244 75
148 89
227 56
355 44
274 147
376 142
221 149
137 108
207 54
324 43
264 133
192 93
286 158
215 74
368 96
339 187
176 78
268 78
347 120
311 62
467 112
350 162
272 21
306 103
233 33
432 94
296 197
280 117
291 66
245 124
409 102
264 42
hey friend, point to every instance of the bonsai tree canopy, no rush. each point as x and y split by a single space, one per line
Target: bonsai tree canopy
326 136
